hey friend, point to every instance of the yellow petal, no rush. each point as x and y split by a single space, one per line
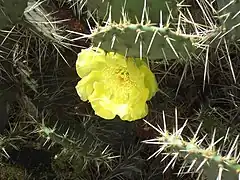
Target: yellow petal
114 59
101 111
150 81
85 86
100 92
135 74
135 115
89 60
101 98
139 108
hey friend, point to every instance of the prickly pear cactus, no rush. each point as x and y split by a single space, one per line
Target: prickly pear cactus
147 41
230 17
208 162
11 11
154 10
36 17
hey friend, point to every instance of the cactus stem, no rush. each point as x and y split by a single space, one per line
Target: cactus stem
196 157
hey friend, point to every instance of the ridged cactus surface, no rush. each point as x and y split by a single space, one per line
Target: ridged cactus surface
133 10
137 40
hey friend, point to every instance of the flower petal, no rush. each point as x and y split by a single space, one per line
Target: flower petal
135 114
114 59
88 60
85 85
139 108
150 81
135 74
100 110
102 98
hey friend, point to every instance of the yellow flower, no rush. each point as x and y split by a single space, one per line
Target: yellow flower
115 85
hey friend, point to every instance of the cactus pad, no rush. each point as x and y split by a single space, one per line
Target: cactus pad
11 11
230 16
133 9
137 40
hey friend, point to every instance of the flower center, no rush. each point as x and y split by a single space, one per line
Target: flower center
117 75
122 75
119 82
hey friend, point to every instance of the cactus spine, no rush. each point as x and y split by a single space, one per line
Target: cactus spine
133 35
154 10
142 29
146 41
198 159
229 15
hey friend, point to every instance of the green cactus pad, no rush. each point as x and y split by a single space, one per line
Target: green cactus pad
147 41
133 9
11 11
230 17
